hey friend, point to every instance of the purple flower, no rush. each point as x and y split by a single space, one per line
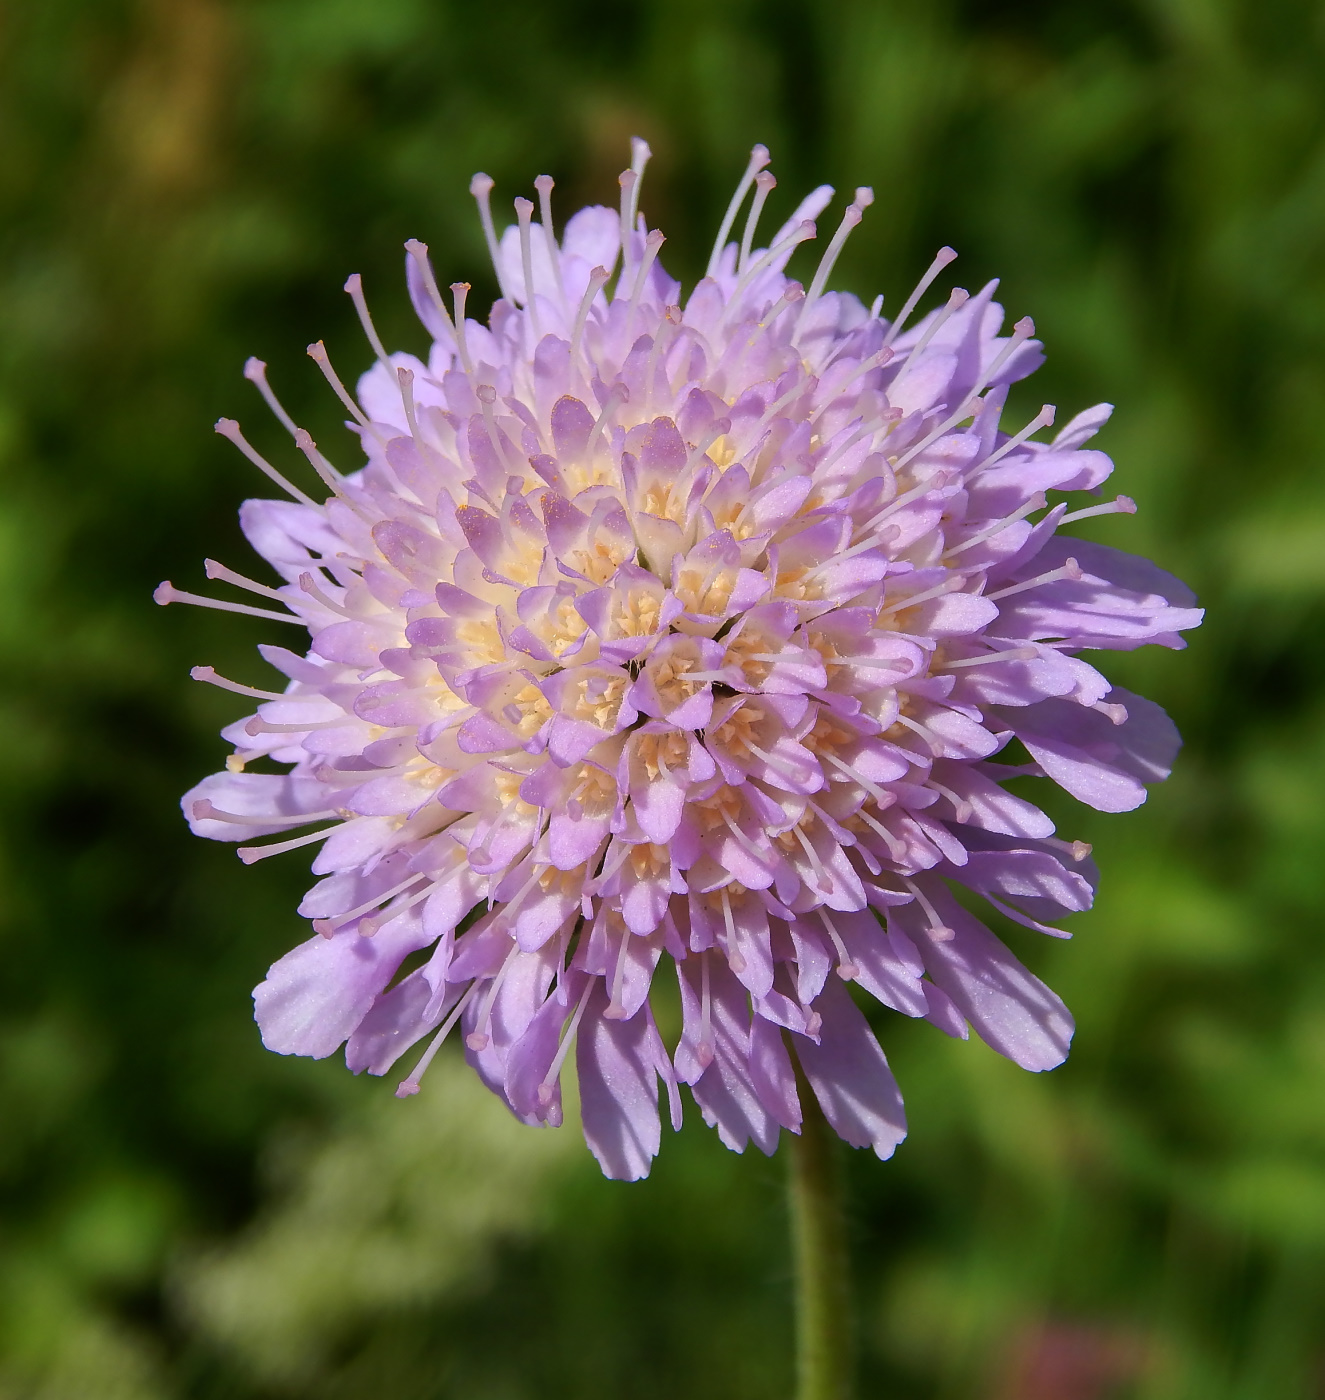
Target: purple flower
690 630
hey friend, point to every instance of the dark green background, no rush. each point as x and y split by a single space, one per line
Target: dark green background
186 182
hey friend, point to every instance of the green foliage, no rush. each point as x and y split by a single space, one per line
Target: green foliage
185 182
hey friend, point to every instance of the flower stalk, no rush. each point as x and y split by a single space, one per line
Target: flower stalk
822 1271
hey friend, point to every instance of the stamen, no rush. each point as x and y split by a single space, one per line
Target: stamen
368 927
419 252
229 429
820 874
957 298
309 585
481 188
846 969
618 395
942 258
962 809
1043 419
896 848
1036 502
615 1010
652 244
765 183
405 378
914 725
410 1084
938 930
318 354
327 927
746 841
478 1038
1021 332
1120 505
734 959
772 762
885 799
855 211
255 371
598 279
802 233
759 158
258 725
563 1049
1071 571
948 585
206 673
666 333
524 212
250 855
875 361
937 482
640 155
628 180
205 810
704 1050
219 572
459 295
1014 654
1077 850
794 292
1115 714
544 185
166 592
876 306
487 397
1024 920
354 285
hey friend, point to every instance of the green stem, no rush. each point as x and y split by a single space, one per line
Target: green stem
823 1307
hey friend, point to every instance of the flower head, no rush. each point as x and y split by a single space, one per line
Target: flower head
662 629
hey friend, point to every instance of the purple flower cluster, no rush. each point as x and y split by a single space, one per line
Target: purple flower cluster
688 628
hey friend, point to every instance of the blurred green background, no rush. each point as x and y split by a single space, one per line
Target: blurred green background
186 182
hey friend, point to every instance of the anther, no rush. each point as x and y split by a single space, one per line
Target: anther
1120 505
942 258
652 244
765 183
410 1084
1036 502
255 371
1070 572
524 212
211 677
938 930
229 429
481 188
250 855
628 179
846 968
855 211
166 592
546 1088
1013 654
598 279
317 352
419 252
219 573
354 286
759 158
1043 419
957 298
544 185
460 294
802 233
